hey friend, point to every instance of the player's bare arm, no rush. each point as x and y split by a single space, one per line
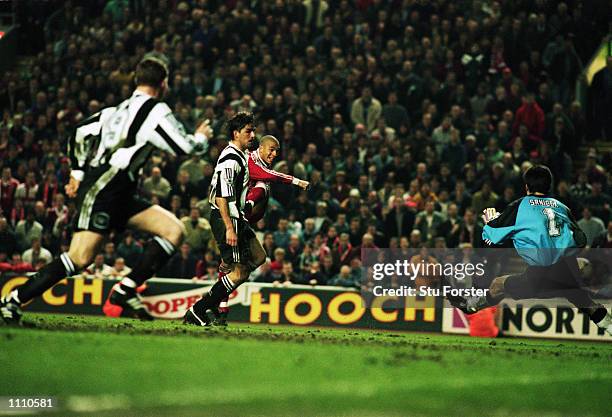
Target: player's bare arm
230 234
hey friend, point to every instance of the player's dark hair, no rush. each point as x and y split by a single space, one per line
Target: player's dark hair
538 179
150 72
239 121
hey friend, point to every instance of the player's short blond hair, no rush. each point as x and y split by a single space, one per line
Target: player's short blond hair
267 139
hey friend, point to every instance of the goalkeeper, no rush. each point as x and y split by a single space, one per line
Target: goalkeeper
546 236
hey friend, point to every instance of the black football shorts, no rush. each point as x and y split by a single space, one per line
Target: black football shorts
239 254
107 198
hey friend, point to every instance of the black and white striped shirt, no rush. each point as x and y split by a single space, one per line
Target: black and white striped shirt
231 180
126 135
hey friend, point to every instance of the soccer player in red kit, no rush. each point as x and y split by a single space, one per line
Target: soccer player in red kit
261 175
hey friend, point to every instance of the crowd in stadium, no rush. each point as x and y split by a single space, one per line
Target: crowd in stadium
407 117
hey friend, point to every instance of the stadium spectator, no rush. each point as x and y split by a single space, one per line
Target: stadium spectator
99 269
210 272
428 222
395 115
120 269
293 250
344 278
366 109
8 187
129 249
8 240
36 253
484 198
194 166
198 233
27 230
591 226
181 265
604 240
184 189
602 87
156 185
27 190
288 276
110 254
282 235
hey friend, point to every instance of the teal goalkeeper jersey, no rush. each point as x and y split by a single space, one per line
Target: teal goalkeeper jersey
541 228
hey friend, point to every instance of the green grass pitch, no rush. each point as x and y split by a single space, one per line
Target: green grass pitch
115 367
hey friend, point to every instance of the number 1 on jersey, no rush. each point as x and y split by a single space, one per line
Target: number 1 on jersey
553 228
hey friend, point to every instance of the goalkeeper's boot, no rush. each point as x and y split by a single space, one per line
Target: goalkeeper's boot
606 322
197 318
128 299
458 302
10 308
476 303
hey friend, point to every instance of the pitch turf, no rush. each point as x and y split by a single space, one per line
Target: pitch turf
111 367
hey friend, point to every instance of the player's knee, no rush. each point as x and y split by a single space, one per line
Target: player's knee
81 258
497 286
242 273
174 233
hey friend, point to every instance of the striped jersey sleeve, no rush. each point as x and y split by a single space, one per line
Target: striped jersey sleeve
125 136
85 140
167 133
227 172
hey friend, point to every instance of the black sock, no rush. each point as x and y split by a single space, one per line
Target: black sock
597 315
217 293
46 278
156 253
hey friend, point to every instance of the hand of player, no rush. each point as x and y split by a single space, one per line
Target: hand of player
231 238
489 214
304 185
205 129
72 187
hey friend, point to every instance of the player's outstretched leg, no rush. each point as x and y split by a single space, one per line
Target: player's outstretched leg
169 233
67 264
525 286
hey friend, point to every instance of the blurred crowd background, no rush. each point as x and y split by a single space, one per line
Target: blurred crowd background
407 117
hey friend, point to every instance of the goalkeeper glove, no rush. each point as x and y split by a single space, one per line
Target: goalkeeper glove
489 214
